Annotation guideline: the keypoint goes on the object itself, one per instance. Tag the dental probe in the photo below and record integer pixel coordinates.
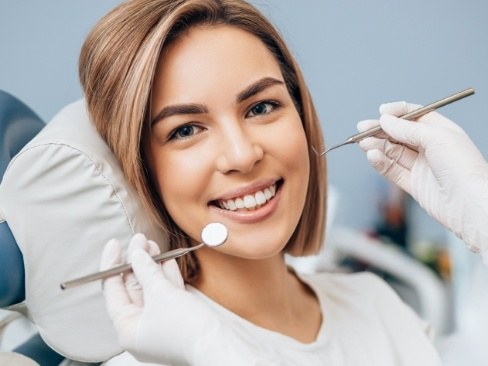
(409, 116)
(213, 235)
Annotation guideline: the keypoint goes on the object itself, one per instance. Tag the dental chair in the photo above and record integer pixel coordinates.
(18, 125)
(62, 197)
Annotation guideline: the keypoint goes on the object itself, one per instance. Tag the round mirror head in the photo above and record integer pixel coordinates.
(214, 234)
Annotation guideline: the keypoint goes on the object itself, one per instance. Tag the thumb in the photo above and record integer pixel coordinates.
(407, 132)
(149, 273)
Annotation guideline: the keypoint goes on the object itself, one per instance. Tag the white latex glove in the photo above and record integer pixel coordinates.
(158, 320)
(434, 161)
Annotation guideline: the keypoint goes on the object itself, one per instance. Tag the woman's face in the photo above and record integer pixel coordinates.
(226, 142)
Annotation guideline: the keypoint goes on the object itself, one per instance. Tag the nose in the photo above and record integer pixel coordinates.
(239, 151)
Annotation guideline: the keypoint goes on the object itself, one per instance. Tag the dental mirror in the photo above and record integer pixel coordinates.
(213, 235)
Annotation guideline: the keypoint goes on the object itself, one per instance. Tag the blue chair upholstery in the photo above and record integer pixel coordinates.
(18, 125)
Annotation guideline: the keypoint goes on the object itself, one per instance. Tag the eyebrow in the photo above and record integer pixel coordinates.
(193, 108)
(258, 87)
(176, 109)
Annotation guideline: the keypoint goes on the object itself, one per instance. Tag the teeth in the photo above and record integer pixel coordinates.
(260, 198)
(231, 205)
(249, 201)
(239, 203)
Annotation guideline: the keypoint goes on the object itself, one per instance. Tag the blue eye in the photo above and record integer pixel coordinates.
(184, 132)
(262, 108)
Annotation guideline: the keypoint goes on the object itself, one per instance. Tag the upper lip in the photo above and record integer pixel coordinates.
(244, 190)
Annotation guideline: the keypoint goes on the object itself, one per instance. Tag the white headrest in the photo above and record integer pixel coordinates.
(64, 196)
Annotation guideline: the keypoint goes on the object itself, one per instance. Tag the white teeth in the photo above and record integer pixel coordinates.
(249, 201)
(239, 203)
(260, 198)
(231, 205)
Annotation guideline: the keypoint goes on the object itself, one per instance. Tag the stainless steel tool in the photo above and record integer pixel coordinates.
(409, 116)
(213, 235)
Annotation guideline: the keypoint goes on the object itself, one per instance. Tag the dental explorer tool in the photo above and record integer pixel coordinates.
(409, 116)
(213, 235)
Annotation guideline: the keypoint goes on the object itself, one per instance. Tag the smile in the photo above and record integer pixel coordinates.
(248, 202)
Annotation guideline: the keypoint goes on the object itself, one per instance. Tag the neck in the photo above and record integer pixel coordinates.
(264, 292)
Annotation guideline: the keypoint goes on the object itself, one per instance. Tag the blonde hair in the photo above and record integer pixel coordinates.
(117, 66)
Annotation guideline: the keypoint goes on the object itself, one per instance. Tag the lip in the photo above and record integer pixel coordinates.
(252, 216)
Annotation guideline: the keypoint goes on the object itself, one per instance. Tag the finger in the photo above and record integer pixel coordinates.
(371, 143)
(387, 146)
(149, 273)
(398, 108)
(111, 255)
(411, 133)
(367, 124)
(438, 120)
(138, 241)
(389, 169)
(132, 285)
(153, 248)
(172, 272)
(363, 126)
(400, 153)
(113, 288)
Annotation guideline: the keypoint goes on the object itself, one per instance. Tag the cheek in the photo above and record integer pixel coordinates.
(292, 146)
(294, 156)
(181, 179)
(171, 181)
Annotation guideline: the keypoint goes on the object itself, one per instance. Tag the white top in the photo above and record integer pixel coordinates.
(364, 323)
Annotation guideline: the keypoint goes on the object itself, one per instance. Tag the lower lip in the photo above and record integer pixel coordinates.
(252, 216)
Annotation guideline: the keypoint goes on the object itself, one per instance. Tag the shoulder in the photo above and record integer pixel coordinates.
(359, 282)
(368, 294)
(351, 289)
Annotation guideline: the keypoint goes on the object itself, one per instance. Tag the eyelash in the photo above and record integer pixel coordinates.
(174, 134)
(273, 103)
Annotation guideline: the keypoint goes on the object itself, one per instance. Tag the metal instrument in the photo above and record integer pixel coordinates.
(409, 116)
(213, 235)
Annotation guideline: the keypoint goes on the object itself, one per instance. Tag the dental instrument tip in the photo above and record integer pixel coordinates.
(214, 234)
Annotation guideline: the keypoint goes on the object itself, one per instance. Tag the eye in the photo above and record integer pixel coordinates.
(262, 108)
(184, 132)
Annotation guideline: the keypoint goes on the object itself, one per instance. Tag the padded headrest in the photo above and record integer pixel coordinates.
(64, 196)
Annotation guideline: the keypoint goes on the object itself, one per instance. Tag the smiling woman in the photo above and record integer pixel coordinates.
(210, 118)
(138, 101)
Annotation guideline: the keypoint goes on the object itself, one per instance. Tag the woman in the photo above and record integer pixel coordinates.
(211, 120)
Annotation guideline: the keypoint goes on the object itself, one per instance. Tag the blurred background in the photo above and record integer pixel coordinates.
(355, 55)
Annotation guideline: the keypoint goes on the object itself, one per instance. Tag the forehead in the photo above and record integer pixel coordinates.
(223, 57)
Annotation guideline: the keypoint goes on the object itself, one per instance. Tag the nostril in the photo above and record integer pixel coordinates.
(239, 159)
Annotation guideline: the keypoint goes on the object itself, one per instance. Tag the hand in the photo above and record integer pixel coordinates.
(434, 161)
(157, 320)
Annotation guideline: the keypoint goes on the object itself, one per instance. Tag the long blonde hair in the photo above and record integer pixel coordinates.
(117, 66)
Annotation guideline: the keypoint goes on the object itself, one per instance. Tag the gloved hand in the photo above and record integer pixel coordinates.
(157, 320)
(434, 161)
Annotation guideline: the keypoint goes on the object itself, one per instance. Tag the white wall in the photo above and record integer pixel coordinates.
(355, 55)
